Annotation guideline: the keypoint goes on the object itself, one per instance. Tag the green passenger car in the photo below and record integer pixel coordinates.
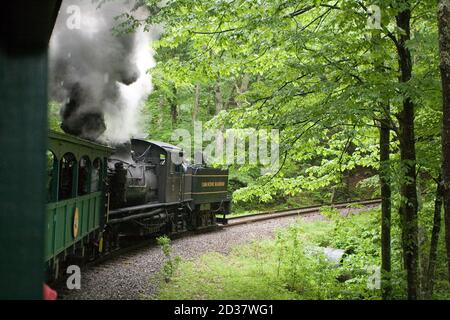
(76, 206)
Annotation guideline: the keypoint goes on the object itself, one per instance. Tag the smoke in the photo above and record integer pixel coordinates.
(100, 78)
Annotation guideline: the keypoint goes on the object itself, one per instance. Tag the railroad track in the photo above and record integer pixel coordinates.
(233, 221)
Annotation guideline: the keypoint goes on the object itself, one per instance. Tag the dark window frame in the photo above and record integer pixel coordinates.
(63, 177)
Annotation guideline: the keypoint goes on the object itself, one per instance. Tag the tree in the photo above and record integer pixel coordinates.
(385, 182)
(174, 105)
(385, 186)
(444, 44)
(196, 106)
(408, 190)
(429, 275)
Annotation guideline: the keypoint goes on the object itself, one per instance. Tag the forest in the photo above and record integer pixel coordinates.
(360, 93)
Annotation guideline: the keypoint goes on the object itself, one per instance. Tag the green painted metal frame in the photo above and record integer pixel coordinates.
(60, 218)
(25, 27)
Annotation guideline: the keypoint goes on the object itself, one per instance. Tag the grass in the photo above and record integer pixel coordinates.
(215, 276)
(281, 268)
(271, 269)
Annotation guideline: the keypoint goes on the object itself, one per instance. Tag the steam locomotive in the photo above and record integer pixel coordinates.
(97, 195)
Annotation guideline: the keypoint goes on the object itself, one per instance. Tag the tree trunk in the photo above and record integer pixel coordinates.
(429, 274)
(444, 44)
(196, 103)
(219, 106)
(173, 106)
(161, 110)
(239, 89)
(244, 84)
(385, 184)
(232, 102)
(218, 97)
(333, 194)
(174, 112)
(408, 190)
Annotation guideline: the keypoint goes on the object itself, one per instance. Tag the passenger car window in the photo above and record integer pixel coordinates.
(95, 175)
(84, 169)
(52, 172)
(67, 173)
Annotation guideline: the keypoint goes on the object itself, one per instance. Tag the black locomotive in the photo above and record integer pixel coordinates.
(151, 186)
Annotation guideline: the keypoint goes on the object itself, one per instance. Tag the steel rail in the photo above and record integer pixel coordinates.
(268, 215)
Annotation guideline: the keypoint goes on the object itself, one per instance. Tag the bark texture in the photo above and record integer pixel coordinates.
(218, 97)
(408, 188)
(385, 184)
(444, 46)
(196, 103)
(430, 269)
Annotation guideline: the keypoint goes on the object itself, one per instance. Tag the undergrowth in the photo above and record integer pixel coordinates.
(286, 267)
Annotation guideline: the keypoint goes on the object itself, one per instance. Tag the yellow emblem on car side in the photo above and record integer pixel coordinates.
(76, 218)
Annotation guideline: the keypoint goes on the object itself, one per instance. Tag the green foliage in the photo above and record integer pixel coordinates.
(288, 268)
(250, 272)
(54, 120)
(310, 71)
(330, 213)
(373, 184)
(306, 274)
(284, 268)
(171, 263)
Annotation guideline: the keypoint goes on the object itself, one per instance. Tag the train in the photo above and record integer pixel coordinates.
(98, 195)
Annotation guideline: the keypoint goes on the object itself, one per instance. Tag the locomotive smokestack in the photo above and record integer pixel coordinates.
(99, 78)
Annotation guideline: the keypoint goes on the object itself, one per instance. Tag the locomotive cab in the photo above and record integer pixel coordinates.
(167, 160)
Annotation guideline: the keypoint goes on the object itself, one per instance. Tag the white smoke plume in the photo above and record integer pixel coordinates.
(100, 78)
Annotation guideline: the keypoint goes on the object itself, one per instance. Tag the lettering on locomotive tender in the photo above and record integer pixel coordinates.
(213, 184)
